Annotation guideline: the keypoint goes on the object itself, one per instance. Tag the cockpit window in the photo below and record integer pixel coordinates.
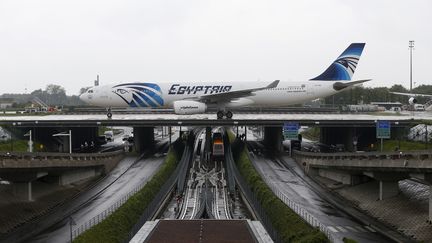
(90, 91)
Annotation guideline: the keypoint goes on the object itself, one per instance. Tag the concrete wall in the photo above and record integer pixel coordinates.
(273, 138)
(72, 176)
(143, 138)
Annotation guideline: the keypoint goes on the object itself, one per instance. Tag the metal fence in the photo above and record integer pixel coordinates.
(150, 210)
(298, 209)
(302, 212)
(251, 198)
(164, 191)
(104, 214)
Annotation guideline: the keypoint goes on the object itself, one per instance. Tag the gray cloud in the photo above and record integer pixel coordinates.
(69, 42)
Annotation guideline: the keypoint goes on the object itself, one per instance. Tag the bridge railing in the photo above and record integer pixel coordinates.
(417, 155)
(62, 156)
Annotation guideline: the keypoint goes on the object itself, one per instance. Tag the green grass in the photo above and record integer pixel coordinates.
(116, 227)
(19, 146)
(312, 133)
(390, 145)
(290, 226)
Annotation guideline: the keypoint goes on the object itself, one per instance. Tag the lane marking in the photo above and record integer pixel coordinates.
(360, 228)
(351, 228)
(332, 229)
(342, 229)
(370, 229)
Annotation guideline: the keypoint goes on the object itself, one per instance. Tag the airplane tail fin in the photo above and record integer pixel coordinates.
(344, 66)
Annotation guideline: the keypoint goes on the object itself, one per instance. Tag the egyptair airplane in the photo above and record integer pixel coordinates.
(195, 98)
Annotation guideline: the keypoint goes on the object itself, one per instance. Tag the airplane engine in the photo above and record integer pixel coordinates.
(189, 107)
(412, 101)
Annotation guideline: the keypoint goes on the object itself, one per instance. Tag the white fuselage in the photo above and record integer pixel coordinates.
(286, 93)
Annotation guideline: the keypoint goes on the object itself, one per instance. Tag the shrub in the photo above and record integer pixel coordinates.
(290, 226)
(116, 227)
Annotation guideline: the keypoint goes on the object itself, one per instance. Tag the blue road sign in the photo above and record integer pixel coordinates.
(383, 129)
(290, 130)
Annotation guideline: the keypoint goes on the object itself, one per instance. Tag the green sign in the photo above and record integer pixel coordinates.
(383, 129)
(290, 130)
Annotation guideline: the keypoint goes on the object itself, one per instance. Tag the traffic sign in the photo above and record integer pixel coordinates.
(290, 130)
(383, 129)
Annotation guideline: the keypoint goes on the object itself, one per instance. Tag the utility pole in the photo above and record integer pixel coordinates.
(411, 47)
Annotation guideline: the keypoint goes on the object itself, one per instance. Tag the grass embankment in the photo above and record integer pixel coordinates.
(311, 133)
(290, 226)
(390, 145)
(19, 146)
(116, 227)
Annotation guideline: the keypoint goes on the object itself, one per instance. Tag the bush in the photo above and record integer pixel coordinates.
(116, 227)
(290, 226)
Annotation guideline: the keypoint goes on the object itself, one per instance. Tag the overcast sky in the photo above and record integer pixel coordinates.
(70, 42)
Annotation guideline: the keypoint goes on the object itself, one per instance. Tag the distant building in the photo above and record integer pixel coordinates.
(6, 102)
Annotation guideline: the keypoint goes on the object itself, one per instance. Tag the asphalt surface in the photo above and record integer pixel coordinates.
(128, 174)
(289, 181)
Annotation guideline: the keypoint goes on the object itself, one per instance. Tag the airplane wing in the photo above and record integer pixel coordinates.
(412, 94)
(232, 95)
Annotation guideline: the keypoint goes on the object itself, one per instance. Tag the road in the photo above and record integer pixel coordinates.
(289, 181)
(129, 174)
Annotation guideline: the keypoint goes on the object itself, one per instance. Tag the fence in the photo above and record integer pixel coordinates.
(104, 214)
(298, 209)
(301, 211)
(150, 210)
(251, 197)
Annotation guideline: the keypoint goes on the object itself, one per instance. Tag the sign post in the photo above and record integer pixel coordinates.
(383, 131)
(290, 131)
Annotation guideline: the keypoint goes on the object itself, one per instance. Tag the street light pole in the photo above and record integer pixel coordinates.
(70, 141)
(30, 142)
(411, 47)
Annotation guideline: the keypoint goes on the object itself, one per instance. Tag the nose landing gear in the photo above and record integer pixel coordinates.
(109, 114)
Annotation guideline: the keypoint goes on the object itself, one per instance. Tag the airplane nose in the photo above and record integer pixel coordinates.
(83, 98)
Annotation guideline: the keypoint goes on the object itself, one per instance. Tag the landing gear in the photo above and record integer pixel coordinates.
(229, 114)
(109, 114)
(221, 114)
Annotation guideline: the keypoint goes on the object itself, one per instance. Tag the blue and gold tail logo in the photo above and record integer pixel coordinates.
(140, 94)
(344, 66)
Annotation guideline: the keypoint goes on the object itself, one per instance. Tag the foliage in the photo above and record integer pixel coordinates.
(390, 145)
(290, 226)
(312, 133)
(19, 146)
(117, 226)
(347, 240)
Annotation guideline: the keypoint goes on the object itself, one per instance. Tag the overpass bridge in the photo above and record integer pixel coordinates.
(84, 127)
(388, 168)
(23, 168)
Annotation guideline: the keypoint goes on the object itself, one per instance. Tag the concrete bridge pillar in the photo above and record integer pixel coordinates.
(143, 138)
(23, 190)
(273, 138)
(388, 189)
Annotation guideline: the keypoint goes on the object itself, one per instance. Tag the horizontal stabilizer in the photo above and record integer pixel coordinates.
(342, 85)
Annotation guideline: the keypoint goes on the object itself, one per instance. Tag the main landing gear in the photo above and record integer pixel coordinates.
(109, 114)
(221, 114)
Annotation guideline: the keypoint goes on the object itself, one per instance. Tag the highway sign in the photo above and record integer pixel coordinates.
(383, 129)
(290, 130)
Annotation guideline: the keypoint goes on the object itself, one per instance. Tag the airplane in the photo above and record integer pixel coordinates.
(413, 101)
(195, 98)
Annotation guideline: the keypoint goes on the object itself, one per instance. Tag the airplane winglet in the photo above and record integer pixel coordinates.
(273, 84)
